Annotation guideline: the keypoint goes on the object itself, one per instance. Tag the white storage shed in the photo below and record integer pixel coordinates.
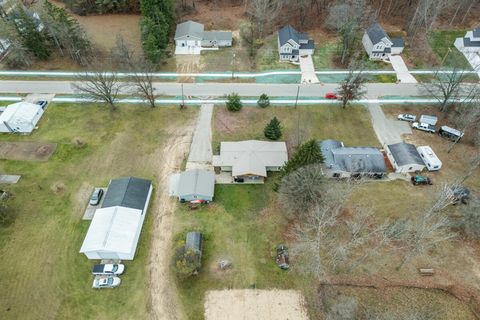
(429, 158)
(20, 117)
(424, 118)
(404, 157)
(116, 227)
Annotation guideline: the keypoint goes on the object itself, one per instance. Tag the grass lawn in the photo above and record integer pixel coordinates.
(441, 42)
(240, 225)
(43, 274)
(351, 125)
(267, 56)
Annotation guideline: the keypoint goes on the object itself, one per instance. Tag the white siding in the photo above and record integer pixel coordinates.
(367, 43)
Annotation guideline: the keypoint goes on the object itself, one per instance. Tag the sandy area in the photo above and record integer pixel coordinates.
(163, 298)
(255, 304)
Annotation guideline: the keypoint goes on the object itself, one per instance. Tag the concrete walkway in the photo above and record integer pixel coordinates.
(387, 131)
(201, 148)
(403, 75)
(308, 70)
(9, 178)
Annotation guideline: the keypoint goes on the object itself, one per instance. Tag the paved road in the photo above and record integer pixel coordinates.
(218, 89)
(201, 147)
(388, 131)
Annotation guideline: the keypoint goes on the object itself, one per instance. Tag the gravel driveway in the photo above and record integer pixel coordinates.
(388, 131)
(201, 148)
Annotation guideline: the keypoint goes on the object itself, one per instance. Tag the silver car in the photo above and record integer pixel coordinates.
(407, 117)
(106, 282)
(96, 197)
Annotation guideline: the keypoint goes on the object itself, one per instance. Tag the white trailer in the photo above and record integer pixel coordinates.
(430, 158)
(432, 120)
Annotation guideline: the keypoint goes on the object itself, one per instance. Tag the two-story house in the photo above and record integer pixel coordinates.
(293, 44)
(379, 45)
(469, 43)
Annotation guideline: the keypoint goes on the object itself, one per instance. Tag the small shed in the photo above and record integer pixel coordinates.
(193, 242)
(193, 185)
(20, 117)
(404, 157)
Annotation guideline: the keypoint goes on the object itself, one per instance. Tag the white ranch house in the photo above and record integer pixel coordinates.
(293, 44)
(190, 38)
(379, 45)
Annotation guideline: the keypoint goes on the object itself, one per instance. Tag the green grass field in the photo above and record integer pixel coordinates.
(351, 125)
(443, 41)
(43, 274)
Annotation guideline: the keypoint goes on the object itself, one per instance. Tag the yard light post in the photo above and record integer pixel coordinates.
(445, 57)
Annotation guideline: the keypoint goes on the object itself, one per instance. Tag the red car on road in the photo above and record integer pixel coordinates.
(330, 95)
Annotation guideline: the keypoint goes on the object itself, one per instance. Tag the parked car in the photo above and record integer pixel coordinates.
(407, 117)
(108, 269)
(106, 282)
(96, 197)
(42, 103)
(420, 180)
(423, 127)
(331, 95)
(461, 194)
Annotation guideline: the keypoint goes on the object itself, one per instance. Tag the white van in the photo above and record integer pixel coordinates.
(430, 158)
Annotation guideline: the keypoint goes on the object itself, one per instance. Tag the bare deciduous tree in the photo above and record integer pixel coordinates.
(264, 12)
(142, 79)
(99, 86)
(352, 88)
(467, 117)
(446, 87)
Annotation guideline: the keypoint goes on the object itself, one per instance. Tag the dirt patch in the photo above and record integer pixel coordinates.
(58, 187)
(255, 304)
(162, 303)
(30, 151)
(208, 14)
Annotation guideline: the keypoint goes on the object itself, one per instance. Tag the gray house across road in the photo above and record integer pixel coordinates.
(293, 44)
(379, 45)
(345, 162)
(193, 185)
(190, 37)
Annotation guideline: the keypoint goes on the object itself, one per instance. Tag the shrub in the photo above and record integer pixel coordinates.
(186, 262)
(263, 101)
(273, 130)
(233, 102)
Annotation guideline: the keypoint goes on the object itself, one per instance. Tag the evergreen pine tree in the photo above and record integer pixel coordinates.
(273, 130)
(263, 101)
(307, 153)
(233, 102)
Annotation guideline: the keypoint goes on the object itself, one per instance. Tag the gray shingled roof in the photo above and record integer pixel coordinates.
(352, 159)
(469, 43)
(376, 33)
(189, 29)
(217, 35)
(288, 32)
(196, 182)
(405, 154)
(398, 42)
(127, 192)
(476, 32)
(309, 45)
(194, 241)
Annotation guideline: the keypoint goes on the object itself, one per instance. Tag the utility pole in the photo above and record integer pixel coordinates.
(298, 117)
(296, 99)
(233, 65)
(183, 99)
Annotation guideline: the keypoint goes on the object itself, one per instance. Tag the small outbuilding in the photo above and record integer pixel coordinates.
(20, 117)
(193, 242)
(192, 185)
(346, 162)
(428, 119)
(404, 157)
(116, 227)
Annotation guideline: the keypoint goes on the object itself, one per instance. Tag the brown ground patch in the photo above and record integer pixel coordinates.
(255, 304)
(31, 151)
(208, 13)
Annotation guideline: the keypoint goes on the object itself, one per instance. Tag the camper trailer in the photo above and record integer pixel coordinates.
(450, 133)
(430, 158)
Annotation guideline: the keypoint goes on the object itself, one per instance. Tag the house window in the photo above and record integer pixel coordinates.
(411, 168)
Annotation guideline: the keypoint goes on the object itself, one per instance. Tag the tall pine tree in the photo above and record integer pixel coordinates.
(307, 153)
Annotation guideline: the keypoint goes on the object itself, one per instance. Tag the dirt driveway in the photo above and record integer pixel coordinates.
(163, 298)
(388, 131)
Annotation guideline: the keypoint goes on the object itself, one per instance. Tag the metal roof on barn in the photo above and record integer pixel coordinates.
(405, 154)
(127, 192)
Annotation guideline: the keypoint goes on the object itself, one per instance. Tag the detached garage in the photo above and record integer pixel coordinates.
(20, 117)
(404, 157)
(193, 185)
(116, 227)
